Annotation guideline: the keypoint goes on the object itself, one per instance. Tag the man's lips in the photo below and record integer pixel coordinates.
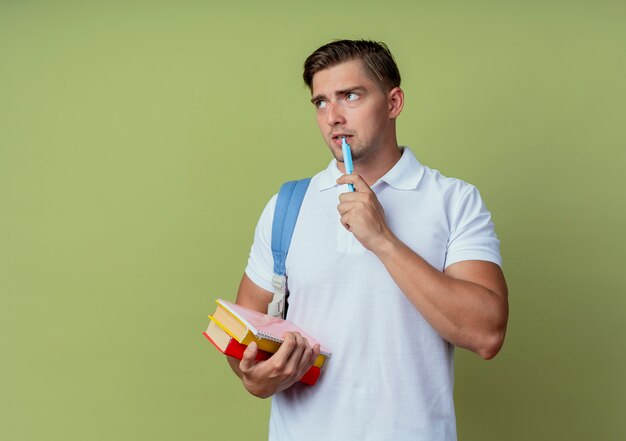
(341, 135)
(337, 138)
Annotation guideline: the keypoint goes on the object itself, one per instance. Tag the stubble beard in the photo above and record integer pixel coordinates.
(361, 154)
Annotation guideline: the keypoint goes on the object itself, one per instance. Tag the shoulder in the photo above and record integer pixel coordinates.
(450, 190)
(270, 207)
(264, 223)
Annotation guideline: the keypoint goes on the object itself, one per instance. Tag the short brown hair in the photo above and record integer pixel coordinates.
(377, 61)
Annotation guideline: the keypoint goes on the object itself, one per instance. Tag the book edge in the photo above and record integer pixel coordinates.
(243, 321)
(206, 335)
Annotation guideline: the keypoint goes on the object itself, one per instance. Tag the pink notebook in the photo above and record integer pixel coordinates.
(266, 326)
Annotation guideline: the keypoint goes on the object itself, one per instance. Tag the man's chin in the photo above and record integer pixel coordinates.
(357, 154)
(337, 154)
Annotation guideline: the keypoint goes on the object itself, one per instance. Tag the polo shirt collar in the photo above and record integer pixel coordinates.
(404, 175)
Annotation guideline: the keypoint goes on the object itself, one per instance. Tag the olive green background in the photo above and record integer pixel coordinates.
(139, 142)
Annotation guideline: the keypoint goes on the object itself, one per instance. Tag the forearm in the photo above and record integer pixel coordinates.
(467, 314)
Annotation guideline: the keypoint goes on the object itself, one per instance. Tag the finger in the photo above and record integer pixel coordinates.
(288, 345)
(346, 207)
(348, 218)
(357, 181)
(352, 197)
(249, 356)
(295, 357)
(345, 223)
(362, 198)
(306, 360)
(299, 362)
(315, 352)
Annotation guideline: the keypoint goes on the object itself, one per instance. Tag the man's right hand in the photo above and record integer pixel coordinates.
(292, 360)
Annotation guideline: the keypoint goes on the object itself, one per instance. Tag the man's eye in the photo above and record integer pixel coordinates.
(352, 96)
(320, 104)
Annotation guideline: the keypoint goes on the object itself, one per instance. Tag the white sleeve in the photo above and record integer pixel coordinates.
(260, 268)
(473, 235)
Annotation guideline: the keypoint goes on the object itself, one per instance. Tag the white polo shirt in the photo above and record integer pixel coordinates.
(391, 375)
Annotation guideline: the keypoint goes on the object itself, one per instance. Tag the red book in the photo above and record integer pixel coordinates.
(229, 346)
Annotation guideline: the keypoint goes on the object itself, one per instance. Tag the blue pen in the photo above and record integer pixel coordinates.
(347, 159)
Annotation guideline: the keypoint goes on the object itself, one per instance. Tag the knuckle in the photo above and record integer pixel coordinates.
(278, 365)
(289, 344)
(273, 374)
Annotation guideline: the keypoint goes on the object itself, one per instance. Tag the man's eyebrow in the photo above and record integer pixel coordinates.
(319, 97)
(351, 89)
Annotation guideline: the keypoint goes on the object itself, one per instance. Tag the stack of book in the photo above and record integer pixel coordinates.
(233, 327)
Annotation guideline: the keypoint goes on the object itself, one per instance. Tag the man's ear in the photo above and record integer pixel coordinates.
(395, 97)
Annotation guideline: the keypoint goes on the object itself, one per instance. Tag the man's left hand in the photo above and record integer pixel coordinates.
(362, 214)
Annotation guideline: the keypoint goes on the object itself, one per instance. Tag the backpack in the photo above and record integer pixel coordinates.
(288, 205)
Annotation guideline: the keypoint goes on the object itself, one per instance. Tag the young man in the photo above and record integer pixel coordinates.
(391, 277)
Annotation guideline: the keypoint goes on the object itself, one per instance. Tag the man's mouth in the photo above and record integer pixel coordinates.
(337, 138)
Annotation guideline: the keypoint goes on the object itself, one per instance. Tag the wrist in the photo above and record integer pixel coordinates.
(255, 389)
(386, 245)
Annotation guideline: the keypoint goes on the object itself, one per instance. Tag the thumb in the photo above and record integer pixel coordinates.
(249, 356)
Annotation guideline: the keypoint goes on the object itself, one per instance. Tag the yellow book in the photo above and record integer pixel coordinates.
(246, 326)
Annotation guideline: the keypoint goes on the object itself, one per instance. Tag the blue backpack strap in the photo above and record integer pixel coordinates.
(288, 205)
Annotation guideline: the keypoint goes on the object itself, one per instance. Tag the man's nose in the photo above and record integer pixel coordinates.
(334, 116)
